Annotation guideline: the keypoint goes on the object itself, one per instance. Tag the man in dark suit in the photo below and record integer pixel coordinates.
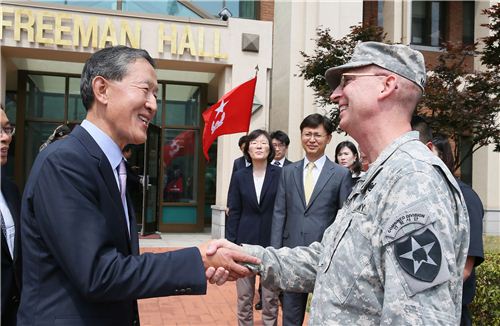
(134, 181)
(280, 142)
(80, 244)
(241, 162)
(10, 202)
(310, 193)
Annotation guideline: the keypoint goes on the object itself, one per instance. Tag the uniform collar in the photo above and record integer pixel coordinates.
(388, 151)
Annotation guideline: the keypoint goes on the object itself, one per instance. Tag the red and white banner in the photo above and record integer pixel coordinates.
(231, 114)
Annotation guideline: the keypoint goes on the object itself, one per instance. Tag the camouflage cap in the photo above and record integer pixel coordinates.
(398, 58)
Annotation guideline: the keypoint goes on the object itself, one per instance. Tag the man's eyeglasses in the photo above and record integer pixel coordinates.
(311, 135)
(8, 130)
(281, 145)
(345, 78)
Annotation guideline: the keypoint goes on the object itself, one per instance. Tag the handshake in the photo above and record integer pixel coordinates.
(222, 260)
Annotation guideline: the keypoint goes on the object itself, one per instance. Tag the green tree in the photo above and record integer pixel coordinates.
(461, 104)
(465, 105)
(330, 52)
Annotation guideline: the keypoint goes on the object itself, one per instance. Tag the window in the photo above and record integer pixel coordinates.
(166, 7)
(468, 21)
(45, 97)
(428, 23)
(380, 13)
(192, 9)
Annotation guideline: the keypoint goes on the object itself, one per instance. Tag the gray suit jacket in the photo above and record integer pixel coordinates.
(294, 223)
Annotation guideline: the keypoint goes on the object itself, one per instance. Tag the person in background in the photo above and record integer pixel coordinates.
(134, 180)
(59, 133)
(280, 142)
(475, 255)
(440, 146)
(346, 155)
(10, 206)
(241, 162)
(251, 197)
(310, 193)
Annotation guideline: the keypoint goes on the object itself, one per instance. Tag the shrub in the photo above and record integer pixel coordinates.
(485, 309)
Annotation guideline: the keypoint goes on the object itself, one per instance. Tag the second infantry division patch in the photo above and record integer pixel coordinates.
(420, 255)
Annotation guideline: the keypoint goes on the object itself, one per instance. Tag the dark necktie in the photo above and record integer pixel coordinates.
(4, 228)
(277, 163)
(4, 232)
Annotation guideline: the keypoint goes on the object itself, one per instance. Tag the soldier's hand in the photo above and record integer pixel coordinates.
(222, 253)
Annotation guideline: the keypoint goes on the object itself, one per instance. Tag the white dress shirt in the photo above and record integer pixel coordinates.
(112, 152)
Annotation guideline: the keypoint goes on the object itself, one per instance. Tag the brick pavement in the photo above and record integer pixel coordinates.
(218, 307)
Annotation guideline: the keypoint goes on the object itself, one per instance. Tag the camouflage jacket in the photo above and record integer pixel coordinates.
(394, 255)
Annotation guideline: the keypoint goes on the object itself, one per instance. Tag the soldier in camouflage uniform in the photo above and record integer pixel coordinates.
(396, 252)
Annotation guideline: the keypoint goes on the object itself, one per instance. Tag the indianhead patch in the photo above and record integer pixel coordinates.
(420, 255)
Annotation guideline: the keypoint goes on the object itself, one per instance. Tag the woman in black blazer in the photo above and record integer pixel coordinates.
(251, 203)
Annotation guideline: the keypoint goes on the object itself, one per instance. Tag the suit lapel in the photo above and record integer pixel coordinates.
(107, 174)
(267, 181)
(5, 249)
(297, 174)
(248, 180)
(134, 238)
(324, 176)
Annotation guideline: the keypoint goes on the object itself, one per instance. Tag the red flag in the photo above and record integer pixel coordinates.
(181, 145)
(231, 114)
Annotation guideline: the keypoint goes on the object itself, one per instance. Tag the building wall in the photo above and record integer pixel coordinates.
(266, 10)
(295, 26)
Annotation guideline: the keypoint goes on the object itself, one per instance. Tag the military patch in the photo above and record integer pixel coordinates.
(420, 255)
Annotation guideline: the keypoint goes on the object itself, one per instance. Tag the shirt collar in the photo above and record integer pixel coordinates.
(282, 161)
(107, 145)
(318, 163)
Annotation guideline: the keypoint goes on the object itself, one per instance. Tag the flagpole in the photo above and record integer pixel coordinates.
(256, 72)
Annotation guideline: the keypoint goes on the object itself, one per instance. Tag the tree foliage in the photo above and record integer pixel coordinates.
(491, 52)
(329, 53)
(465, 105)
(458, 102)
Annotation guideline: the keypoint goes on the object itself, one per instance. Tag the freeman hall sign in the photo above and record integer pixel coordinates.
(63, 30)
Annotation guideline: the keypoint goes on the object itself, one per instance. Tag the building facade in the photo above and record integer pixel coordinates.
(200, 56)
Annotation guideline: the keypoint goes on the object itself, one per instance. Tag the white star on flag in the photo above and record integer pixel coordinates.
(220, 109)
(414, 247)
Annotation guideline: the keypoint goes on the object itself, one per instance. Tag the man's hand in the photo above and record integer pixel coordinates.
(226, 255)
(217, 276)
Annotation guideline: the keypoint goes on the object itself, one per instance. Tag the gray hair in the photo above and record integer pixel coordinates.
(110, 63)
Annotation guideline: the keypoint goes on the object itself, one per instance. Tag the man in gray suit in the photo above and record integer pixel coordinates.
(310, 193)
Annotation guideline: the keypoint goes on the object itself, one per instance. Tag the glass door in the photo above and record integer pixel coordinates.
(151, 181)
